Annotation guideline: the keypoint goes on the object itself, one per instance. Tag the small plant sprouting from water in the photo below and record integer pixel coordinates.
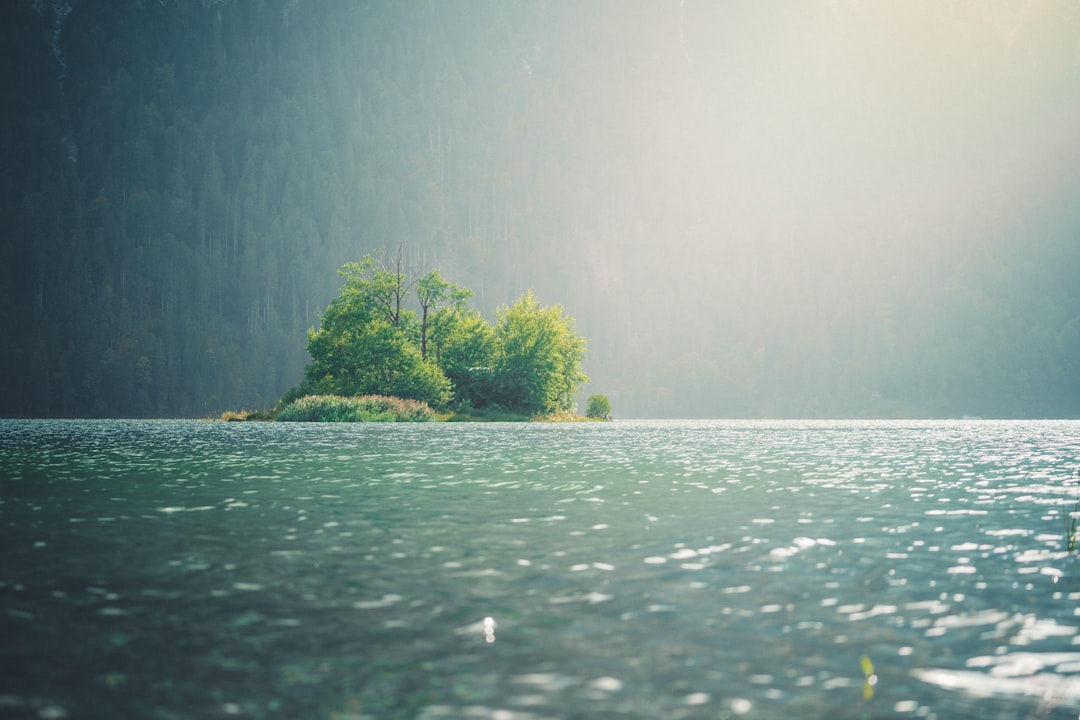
(1069, 518)
(869, 676)
(870, 680)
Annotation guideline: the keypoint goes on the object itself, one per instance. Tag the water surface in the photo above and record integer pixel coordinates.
(630, 569)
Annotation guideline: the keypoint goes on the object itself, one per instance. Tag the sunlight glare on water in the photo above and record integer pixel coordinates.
(645, 569)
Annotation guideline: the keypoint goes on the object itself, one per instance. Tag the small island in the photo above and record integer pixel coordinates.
(394, 347)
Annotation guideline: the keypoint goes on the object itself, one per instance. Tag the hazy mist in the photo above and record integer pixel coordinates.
(752, 208)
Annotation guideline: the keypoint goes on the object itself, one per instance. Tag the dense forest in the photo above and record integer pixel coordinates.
(751, 209)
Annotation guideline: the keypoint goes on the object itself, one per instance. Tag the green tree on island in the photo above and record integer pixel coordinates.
(370, 342)
(364, 344)
(538, 357)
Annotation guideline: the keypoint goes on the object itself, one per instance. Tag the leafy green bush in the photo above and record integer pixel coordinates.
(598, 407)
(537, 359)
(366, 408)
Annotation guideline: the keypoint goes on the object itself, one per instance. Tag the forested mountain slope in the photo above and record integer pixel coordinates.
(827, 209)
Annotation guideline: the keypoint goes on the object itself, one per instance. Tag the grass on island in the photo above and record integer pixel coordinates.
(248, 415)
(383, 408)
(501, 415)
(365, 408)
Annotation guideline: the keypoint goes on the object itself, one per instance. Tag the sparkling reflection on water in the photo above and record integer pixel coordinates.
(639, 570)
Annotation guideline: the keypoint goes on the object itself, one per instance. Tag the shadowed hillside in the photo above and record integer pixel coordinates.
(833, 210)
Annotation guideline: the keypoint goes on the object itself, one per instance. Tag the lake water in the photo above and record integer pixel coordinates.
(629, 569)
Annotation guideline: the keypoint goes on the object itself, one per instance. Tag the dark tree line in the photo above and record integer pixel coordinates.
(181, 181)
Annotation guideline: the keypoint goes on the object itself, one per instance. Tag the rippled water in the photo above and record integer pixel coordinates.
(638, 570)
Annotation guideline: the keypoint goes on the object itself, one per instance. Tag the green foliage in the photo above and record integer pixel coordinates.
(465, 349)
(538, 357)
(369, 342)
(467, 413)
(431, 291)
(365, 342)
(598, 407)
(462, 339)
(368, 408)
